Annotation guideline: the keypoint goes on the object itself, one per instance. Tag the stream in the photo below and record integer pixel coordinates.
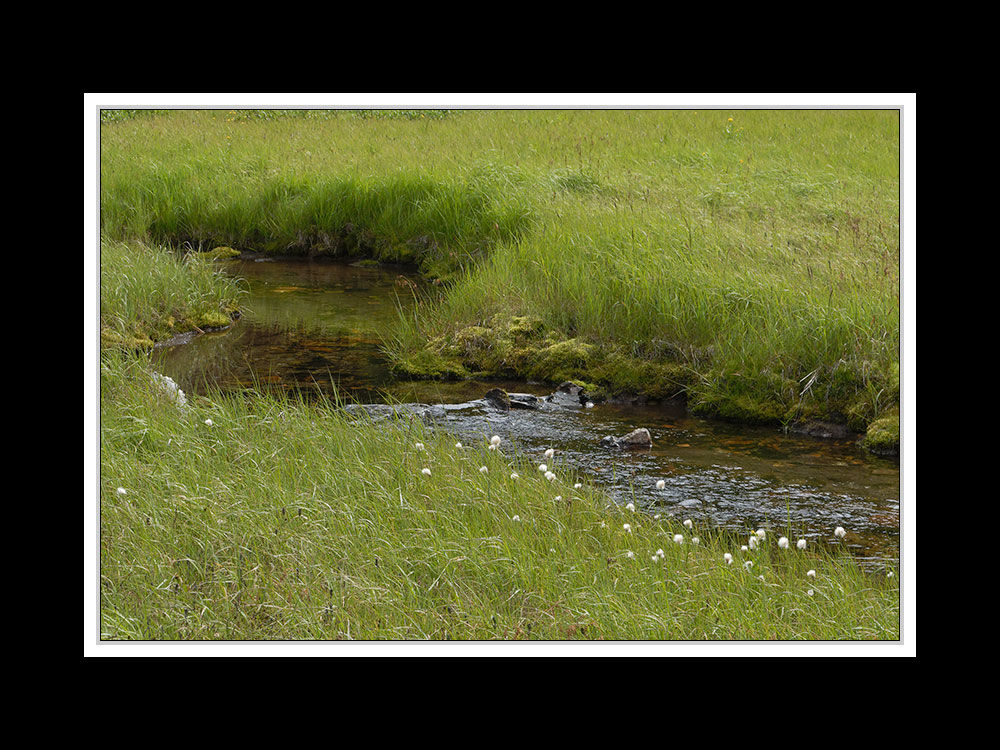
(313, 326)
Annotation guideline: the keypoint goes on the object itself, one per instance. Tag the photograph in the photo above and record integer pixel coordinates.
(499, 374)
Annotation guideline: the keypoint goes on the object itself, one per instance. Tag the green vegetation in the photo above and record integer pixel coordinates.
(255, 518)
(149, 294)
(750, 264)
(748, 260)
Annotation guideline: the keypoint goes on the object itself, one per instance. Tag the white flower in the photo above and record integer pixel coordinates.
(660, 484)
(208, 422)
(783, 542)
(744, 548)
(679, 538)
(458, 445)
(728, 558)
(810, 592)
(839, 532)
(543, 468)
(419, 446)
(695, 540)
(801, 544)
(122, 491)
(550, 453)
(688, 523)
(515, 475)
(425, 472)
(630, 506)
(484, 470)
(810, 574)
(628, 528)
(495, 440)
(550, 476)
(516, 518)
(761, 533)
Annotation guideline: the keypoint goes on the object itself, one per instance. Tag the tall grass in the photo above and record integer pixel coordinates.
(149, 293)
(260, 518)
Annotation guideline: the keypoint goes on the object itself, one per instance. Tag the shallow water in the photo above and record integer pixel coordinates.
(314, 326)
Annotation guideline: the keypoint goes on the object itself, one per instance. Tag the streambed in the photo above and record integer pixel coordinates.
(313, 326)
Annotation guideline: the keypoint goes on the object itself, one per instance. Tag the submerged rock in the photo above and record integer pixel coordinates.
(638, 438)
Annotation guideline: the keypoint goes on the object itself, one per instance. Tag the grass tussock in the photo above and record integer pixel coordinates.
(151, 293)
(251, 517)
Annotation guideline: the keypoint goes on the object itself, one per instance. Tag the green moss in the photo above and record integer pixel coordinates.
(222, 253)
(882, 437)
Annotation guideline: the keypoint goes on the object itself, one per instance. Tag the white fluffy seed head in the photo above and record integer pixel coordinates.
(660, 553)
(514, 475)
(695, 540)
(458, 445)
(660, 484)
(628, 528)
(783, 542)
(484, 470)
(550, 476)
(425, 472)
(801, 544)
(491, 447)
(550, 453)
(558, 498)
(679, 538)
(728, 558)
(744, 548)
(630, 554)
(495, 440)
(577, 486)
(516, 518)
(839, 532)
(122, 491)
(810, 592)
(810, 573)
(761, 533)
(208, 422)
(543, 467)
(630, 506)
(419, 446)
(688, 522)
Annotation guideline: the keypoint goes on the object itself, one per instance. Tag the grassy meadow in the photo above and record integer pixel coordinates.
(747, 261)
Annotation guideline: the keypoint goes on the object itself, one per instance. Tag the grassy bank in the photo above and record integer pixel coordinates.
(236, 517)
(746, 260)
(149, 294)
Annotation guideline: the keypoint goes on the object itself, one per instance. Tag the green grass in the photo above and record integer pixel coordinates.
(284, 520)
(748, 260)
(150, 293)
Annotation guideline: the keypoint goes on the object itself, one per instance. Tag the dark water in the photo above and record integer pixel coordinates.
(315, 326)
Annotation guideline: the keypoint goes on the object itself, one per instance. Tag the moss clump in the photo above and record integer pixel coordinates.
(882, 437)
(221, 253)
